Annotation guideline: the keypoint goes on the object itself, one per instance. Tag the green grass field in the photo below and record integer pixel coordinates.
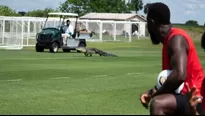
(70, 83)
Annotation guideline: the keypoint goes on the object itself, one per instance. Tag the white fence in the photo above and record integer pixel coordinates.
(17, 32)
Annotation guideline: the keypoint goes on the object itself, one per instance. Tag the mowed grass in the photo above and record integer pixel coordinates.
(70, 83)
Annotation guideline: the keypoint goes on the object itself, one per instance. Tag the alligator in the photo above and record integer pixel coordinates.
(91, 51)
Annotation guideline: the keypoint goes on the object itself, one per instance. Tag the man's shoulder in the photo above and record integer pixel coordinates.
(178, 33)
(178, 41)
(178, 29)
(71, 26)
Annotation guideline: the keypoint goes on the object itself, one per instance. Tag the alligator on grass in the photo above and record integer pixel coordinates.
(91, 51)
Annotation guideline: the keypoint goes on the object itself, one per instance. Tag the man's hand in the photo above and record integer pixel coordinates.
(145, 99)
(193, 98)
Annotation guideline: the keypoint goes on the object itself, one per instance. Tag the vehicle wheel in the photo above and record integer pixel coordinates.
(81, 45)
(66, 50)
(39, 48)
(54, 47)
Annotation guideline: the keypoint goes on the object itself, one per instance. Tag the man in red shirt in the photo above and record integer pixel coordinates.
(180, 56)
(192, 93)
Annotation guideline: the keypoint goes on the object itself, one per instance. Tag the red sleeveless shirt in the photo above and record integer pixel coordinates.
(195, 73)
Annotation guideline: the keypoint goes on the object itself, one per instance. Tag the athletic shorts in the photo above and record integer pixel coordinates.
(183, 105)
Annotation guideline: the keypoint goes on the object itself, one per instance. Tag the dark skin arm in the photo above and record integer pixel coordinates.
(148, 98)
(193, 100)
(177, 50)
(152, 91)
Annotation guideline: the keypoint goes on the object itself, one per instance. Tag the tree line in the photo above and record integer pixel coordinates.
(83, 7)
(80, 7)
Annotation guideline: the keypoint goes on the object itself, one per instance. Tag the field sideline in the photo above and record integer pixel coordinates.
(70, 83)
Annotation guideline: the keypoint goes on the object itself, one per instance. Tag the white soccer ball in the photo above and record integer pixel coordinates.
(162, 77)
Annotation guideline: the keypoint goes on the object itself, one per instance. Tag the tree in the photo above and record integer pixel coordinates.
(75, 6)
(110, 6)
(6, 11)
(36, 13)
(39, 12)
(22, 13)
(192, 23)
(146, 7)
(135, 5)
(47, 10)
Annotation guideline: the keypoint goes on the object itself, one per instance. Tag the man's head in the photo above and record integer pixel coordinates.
(158, 22)
(203, 41)
(68, 22)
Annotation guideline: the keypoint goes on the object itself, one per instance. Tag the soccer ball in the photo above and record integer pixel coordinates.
(162, 77)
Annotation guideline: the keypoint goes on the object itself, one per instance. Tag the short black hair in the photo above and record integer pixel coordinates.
(203, 41)
(68, 21)
(159, 13)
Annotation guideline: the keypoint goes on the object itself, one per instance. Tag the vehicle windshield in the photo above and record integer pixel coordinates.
(57, 22)
(53, 23)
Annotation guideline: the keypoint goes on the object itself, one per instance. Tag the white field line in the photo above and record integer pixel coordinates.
(74, 57)
(12, 80)
(60, 78)
(135, 73)
(100, 76)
